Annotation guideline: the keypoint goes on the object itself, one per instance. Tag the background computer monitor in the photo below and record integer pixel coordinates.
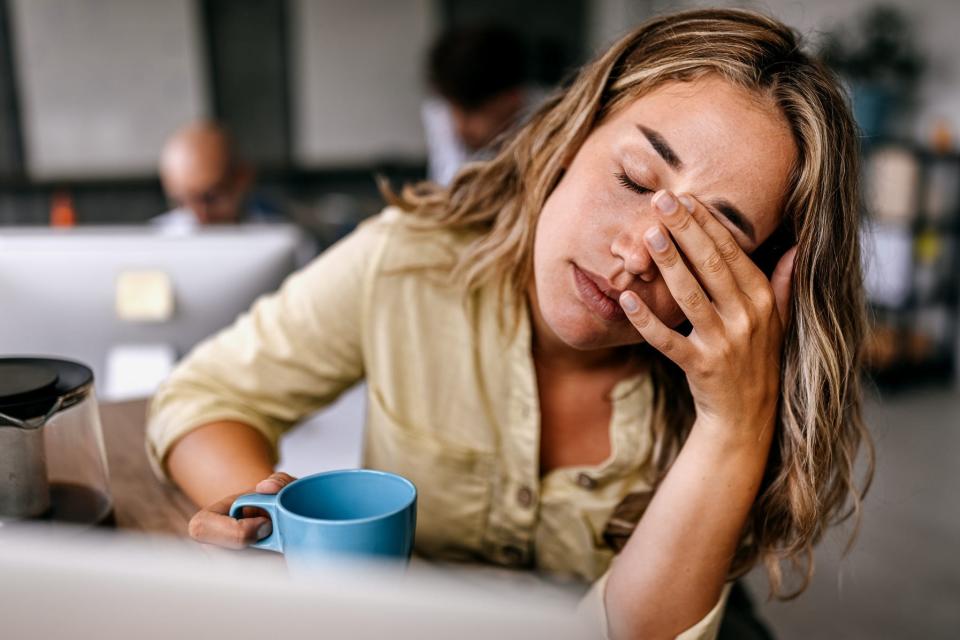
(58, 289)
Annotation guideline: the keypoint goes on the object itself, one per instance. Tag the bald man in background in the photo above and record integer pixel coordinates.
(206, 181)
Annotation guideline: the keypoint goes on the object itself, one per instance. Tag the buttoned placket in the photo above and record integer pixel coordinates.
(514, 509)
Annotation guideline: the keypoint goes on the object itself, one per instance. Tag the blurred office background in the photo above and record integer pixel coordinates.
(321, 95)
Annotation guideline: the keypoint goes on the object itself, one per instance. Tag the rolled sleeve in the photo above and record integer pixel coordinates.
(293, 353)
(709, 625)
(593, 613)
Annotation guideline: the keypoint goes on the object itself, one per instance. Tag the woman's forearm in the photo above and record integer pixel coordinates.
(672, 570)
(219, 459)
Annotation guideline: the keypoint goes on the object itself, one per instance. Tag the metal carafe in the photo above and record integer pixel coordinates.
(53, 462)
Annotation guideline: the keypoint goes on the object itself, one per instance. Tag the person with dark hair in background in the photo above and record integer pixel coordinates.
(479, 79)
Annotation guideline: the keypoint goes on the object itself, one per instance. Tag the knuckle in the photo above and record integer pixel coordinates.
(764, 300)
(667, 345)
(641, 317)
(712, 264)
(743, 325)
(239, 537)
(700, 215)
(704, 368)
(283, 478)
(726, 350)
(739, 320)
(670, 259)
(728, 249)
(693, 299)
(683, 222)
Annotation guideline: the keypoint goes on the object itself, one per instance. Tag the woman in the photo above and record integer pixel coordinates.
(574, 335)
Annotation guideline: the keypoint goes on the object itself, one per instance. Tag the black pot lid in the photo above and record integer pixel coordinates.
(30, 387)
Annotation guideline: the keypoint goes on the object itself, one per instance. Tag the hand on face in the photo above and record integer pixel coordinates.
(732, 357)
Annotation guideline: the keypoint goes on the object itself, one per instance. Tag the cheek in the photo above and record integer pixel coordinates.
(579, 218)
(662, 303)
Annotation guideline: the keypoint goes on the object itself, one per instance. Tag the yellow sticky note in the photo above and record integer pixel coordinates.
(144, 296)
(928, 246)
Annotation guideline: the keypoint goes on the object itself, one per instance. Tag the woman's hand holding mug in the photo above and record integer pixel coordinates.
(350, 513)
(213, 525)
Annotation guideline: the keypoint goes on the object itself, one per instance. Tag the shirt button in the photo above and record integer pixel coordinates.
(524, 497)
(524, 411)
(586, 481)
(512, 555)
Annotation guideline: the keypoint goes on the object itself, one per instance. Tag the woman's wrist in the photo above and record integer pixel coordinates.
(749, 437)
(677, 559)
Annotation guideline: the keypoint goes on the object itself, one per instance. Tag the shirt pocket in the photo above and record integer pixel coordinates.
(453, 481)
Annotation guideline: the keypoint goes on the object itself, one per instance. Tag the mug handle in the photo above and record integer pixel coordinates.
(267, 502)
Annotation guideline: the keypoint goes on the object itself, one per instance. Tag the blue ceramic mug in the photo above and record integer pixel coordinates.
(340, 515)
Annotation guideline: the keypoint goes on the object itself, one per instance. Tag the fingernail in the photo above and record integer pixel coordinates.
(265, 529)
(629, 302)
(666, 202)
(687, 202)
(656, 239)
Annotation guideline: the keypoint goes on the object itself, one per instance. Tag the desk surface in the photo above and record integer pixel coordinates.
(141, 502)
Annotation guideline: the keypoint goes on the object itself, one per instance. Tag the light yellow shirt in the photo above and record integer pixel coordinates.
(452, 403)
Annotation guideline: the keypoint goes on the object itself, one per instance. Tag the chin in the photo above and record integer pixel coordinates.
(584, 332)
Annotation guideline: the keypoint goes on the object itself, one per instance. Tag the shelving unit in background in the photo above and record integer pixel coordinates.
(912, 263)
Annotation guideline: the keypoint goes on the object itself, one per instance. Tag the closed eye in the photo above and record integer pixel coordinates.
(625, 180)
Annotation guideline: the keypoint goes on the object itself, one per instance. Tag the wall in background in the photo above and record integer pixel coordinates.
(607, 20)
(104, 82)
(247, 44)
(358, 80)
(11, 147)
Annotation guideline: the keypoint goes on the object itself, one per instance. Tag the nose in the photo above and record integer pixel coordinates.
(629, 247)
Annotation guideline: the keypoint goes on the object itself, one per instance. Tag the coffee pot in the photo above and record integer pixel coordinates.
(53, 464)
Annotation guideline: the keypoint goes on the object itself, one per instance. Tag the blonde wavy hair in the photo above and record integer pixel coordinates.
(810, 481)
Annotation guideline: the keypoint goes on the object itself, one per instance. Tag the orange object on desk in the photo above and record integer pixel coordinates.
(62, 211)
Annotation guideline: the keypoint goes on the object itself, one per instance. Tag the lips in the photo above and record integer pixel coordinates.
(594, 297)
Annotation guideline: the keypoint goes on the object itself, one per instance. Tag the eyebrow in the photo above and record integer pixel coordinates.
(723, 207)
(660, 146)
(736, 218)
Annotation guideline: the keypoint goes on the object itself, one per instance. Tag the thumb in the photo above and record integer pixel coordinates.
(782, 281)
(274, 482)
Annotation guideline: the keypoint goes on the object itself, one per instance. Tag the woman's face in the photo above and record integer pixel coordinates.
(708, 138)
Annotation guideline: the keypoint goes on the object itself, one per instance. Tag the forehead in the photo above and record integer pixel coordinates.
(734, 144)
(185, 182)
(194, 169)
